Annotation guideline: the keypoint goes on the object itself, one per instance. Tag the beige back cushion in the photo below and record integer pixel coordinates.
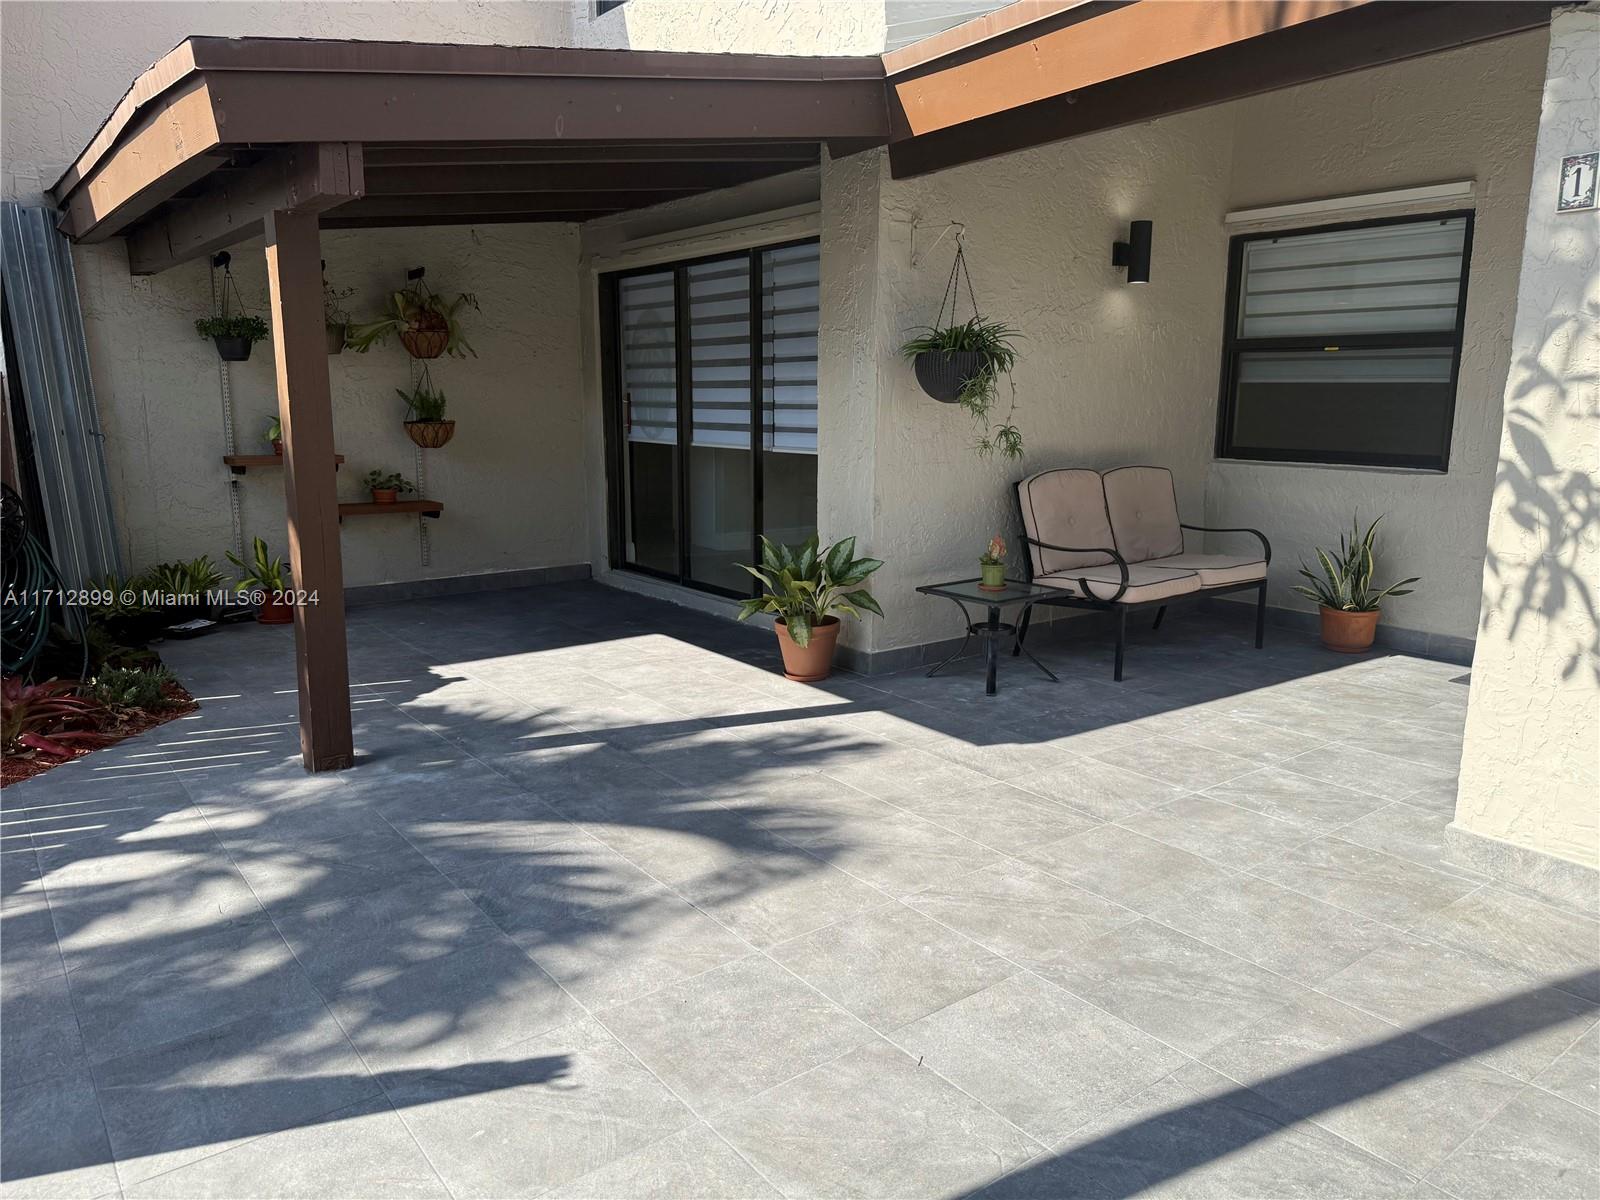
(1068, 508)
(1144, 512)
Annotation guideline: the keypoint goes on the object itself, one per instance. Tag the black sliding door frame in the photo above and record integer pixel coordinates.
(613, 387)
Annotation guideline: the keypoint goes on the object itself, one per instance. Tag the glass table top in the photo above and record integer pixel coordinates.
(1014, 592)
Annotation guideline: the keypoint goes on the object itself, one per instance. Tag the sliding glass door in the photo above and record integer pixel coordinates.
(715, 402)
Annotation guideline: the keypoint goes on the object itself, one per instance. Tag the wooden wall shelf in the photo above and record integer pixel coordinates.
(425, 508)
(240, 463)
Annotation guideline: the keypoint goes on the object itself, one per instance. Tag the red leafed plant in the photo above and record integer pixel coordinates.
(48, 717)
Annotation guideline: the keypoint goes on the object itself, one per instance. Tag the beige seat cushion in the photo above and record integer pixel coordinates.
(1143, 511)
(1144, 582)
(1065, 507)
(1215, 570)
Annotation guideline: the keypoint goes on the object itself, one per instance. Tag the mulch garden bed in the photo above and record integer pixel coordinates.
(16, 768)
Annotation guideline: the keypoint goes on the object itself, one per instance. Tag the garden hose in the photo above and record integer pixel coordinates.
(30, 581)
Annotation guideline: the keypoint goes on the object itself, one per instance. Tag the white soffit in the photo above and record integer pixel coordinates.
(1460, 194)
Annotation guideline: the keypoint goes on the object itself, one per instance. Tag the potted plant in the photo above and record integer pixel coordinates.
(183, 589)
(805, 588)
(386, 486)
(425, 421)
(335, 320)
(963, 364)
(275, 436)
(425, 321)
(1344, 591)
(992, 565)
(266, 579)
(233, 336)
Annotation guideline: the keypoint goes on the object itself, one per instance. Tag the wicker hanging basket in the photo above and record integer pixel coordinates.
(424, 343)
(430, 435)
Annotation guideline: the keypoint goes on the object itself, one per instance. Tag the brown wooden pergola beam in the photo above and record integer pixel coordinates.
(1109, 66)
(798, 154)
(397, 209)
(305, 411)
(311, 178)
(560, 177)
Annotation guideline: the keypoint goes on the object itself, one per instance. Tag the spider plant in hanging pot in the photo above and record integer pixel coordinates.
(233, 336)
(425, 420)
(335, 320)
(426, 322)
(1348, 603)
(264, 579)
(806, 588)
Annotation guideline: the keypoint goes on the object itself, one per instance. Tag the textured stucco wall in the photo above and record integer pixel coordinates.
(734, 26)
(509, 480)
(1109, 374)
(1469, 114)
(1530, 768)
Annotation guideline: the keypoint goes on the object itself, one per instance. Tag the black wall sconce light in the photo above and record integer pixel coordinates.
(1135, 252)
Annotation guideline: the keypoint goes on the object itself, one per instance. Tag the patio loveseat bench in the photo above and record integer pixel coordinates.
(1112, 541)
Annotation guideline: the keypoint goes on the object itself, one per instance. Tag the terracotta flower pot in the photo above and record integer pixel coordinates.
(430, 435)
(807, 664)
(277, 447)
(1348, 632)
(274, 611)
(994, 577)
(385, 495)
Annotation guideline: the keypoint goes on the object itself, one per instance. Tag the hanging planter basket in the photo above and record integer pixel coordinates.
(430, 435)
(943, 374)
(423, 342)
(233, 349)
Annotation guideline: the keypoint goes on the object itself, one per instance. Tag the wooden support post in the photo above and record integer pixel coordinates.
(294, 271)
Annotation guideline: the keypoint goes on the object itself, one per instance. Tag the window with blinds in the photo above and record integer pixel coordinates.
(648, 328)
(1343, 343)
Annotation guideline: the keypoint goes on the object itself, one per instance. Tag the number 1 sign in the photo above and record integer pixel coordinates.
(1578, 172)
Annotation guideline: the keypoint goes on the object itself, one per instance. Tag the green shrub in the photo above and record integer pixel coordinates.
(123, 689)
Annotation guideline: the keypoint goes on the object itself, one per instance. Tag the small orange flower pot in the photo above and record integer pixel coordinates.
(809, 663)
(1349, 632)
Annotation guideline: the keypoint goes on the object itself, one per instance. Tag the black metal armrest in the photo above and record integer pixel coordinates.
(1083, 584)
(1266, 546)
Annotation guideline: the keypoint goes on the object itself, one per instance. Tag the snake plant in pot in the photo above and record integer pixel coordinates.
(806, 588)
(1345, 593)
(265, 579)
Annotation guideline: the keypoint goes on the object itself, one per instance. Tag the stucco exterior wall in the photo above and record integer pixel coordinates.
(1467, 115)
(812, 27)
(509, 480)
(1530, 767)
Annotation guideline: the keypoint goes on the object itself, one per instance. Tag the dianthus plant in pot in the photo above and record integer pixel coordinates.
(1349, 603)
(992, 564)
(386, 486)
(806, 589)
(266, 579)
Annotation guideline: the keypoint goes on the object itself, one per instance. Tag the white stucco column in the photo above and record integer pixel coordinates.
(1528, 807)
(849, 353)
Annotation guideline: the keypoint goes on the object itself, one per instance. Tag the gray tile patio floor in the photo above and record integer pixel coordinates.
(610, 909)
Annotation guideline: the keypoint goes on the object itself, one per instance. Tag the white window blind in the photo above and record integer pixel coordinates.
(1398, 278)
(649, 358)
(789, 316)
(719, 351)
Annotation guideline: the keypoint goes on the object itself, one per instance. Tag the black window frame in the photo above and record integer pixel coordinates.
(611, 403)
(1234, 346)
(602, 7)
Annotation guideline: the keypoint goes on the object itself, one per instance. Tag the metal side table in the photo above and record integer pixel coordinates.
(963, 592)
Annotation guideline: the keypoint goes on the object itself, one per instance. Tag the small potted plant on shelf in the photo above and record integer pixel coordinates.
(275, 436)
(1344, 591)
(425, 421)
(386, 486)
(992, 565)
(806, 588)
(426, 322)
(335, 320)
(266, 579)
(233, 336)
